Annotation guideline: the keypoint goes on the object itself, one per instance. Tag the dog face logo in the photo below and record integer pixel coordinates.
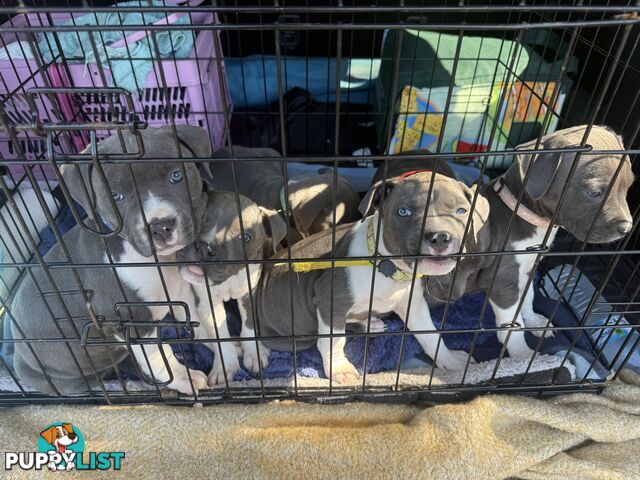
(61, 447)
(60, 436)
(65, 441)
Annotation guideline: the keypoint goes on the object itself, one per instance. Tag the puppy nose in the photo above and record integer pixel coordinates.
(205, 251)
(438, 240)
(71, 436)
(624, 227)
(162, 228)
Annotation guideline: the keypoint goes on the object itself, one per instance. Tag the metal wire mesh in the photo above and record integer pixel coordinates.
(51, 110)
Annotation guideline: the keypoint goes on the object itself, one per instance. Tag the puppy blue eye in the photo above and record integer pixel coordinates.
(594, 193)
(176, 176)
(246, 237)
(461, 211)
(404, 212)
(117, 196)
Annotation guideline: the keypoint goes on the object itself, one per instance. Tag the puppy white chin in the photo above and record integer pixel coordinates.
(167, 250)
(436, 267)
(192, 278)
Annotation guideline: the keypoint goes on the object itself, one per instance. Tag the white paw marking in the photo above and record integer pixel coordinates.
(536, 320)
(181, 382)
(342, 371)
(452, 359)
(250, 355)
(216, 375)
(377, 325)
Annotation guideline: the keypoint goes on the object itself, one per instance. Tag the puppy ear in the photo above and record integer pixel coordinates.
(308, 199)
(545, 167)
(79, 182)
(373, 199)
(480, 211)
(275, 226)
(196, 140)
(348, 197)
(67, 427)
(543, 172)
(311, 200)
(49, 434)
(305, 211)
(207, 177)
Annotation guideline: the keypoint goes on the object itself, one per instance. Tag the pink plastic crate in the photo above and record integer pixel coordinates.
(17, 76)
(193, 85)
(193, 88)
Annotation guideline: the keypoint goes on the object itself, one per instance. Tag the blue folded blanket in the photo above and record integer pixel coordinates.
(253, 80)
(130, 65)
(384, 350)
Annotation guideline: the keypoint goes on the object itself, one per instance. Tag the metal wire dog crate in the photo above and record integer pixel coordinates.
(357, 64)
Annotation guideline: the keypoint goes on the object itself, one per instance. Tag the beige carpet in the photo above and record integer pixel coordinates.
(578, 436)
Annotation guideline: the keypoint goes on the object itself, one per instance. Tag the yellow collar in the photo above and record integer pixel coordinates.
(386, 267)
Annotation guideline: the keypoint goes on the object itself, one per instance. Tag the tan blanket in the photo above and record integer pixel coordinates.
(495, 436)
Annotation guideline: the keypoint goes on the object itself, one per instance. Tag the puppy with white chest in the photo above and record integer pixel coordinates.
(311, 195)
(221, 238)
(159, 206)
(401, 214)
(541, 193)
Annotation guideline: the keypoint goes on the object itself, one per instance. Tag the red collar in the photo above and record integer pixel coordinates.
(413, 172)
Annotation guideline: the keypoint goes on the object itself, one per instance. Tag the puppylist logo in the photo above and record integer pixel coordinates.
(61, 447)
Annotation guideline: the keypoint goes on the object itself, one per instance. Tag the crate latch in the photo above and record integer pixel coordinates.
(73, 124)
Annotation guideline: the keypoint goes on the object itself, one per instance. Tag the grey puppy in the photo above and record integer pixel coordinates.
(173, 203)
(549, 175)
(311, 196)
(401, 215)
(222, 239)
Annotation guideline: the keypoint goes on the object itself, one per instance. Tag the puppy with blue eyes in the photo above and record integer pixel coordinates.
(158, 206)
(324, 302)
(539, 179)
(222, 239)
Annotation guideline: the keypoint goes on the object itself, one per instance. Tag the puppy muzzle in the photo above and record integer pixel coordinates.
(605, 233)
(212, 274)
(438, 261)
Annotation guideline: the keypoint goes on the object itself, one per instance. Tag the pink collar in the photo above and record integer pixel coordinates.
(500, 187)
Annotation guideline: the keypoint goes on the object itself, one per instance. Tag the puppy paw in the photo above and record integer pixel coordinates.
(377, 325)
(536, 320)
(216, 375)
(250, 355)
(453, 359)
(520, 351)
(182, 384)
(342, 371)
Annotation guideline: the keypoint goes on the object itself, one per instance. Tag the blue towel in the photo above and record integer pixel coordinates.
(384, 350)
(130, 66)
(253, 80)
